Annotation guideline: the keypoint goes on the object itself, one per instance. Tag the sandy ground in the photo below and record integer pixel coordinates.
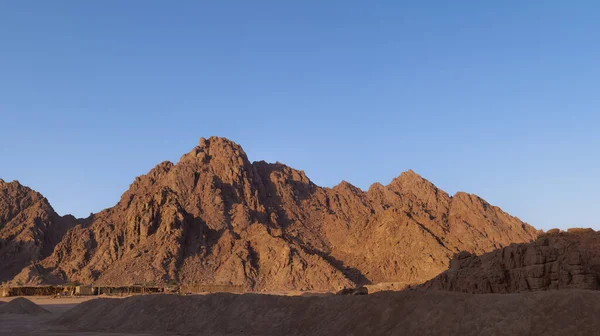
(20, 325)
(410, 312)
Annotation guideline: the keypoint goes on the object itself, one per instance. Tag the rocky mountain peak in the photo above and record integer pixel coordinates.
(347, 186)
(221, 156)
(219, 146)
(15, 197)
(409, 178)
(214, 218)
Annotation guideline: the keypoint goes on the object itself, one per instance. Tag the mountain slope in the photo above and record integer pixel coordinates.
(214, 218)
(29, 228)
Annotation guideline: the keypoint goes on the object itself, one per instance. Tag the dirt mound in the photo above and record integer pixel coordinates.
(556, 260)
(22, 306)
(385, 313)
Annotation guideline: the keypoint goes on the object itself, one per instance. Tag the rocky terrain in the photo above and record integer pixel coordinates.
(556, 260)
(215, 218)
(29, 228)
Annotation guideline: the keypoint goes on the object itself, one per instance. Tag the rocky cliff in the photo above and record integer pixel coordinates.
(216, 218)
(556, 260)
(29, 228)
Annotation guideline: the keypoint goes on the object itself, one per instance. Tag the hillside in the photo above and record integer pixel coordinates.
(29, 228)
(215, 218)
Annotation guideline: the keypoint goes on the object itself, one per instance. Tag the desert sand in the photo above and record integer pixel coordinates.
(37, 324)
(411, 312)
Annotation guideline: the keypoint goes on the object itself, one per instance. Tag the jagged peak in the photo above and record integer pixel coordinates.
(271, 164)
(410, 174)
(17, 185)
(260, 163)
(214, 188)
(13, 182)
(409, 177)
(345, 185)
(21, 192)
(377, 186)
(216, 147)
(460, 194)
(376, 189)
(213, 139)
(215, 143)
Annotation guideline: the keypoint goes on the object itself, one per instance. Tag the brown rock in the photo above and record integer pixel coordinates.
(29, 228)
(557, 260)
(214, 218)
(362, 290)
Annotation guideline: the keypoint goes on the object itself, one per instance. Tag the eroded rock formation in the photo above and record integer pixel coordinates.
(29, 228)
(216, 218)
(556, 260)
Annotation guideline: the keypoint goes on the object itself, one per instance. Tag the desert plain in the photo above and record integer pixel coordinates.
(409, 312)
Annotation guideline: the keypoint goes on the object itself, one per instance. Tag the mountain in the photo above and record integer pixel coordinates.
(215, 218)
(29, 228)
(556, 260)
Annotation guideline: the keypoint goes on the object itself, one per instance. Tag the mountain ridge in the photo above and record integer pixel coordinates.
(216, 218)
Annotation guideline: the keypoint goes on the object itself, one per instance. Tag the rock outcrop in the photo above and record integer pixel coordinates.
(556, 260)
(216, 218)
(29, 228)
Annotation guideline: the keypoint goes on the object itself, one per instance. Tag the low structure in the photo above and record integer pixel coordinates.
(209, 288)
(36, 290)
(84, 290)
(76, 290)
(126, 290)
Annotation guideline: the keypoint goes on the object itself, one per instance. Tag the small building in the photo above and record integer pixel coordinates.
(212, 288)
(84, 290)
(126, 290)
(32, 290)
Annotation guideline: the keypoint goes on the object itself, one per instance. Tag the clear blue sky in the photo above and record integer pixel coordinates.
(497, 98)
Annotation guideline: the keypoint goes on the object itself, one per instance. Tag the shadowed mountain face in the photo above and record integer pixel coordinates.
(215, 218)
(556, 260)
(29, 228)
